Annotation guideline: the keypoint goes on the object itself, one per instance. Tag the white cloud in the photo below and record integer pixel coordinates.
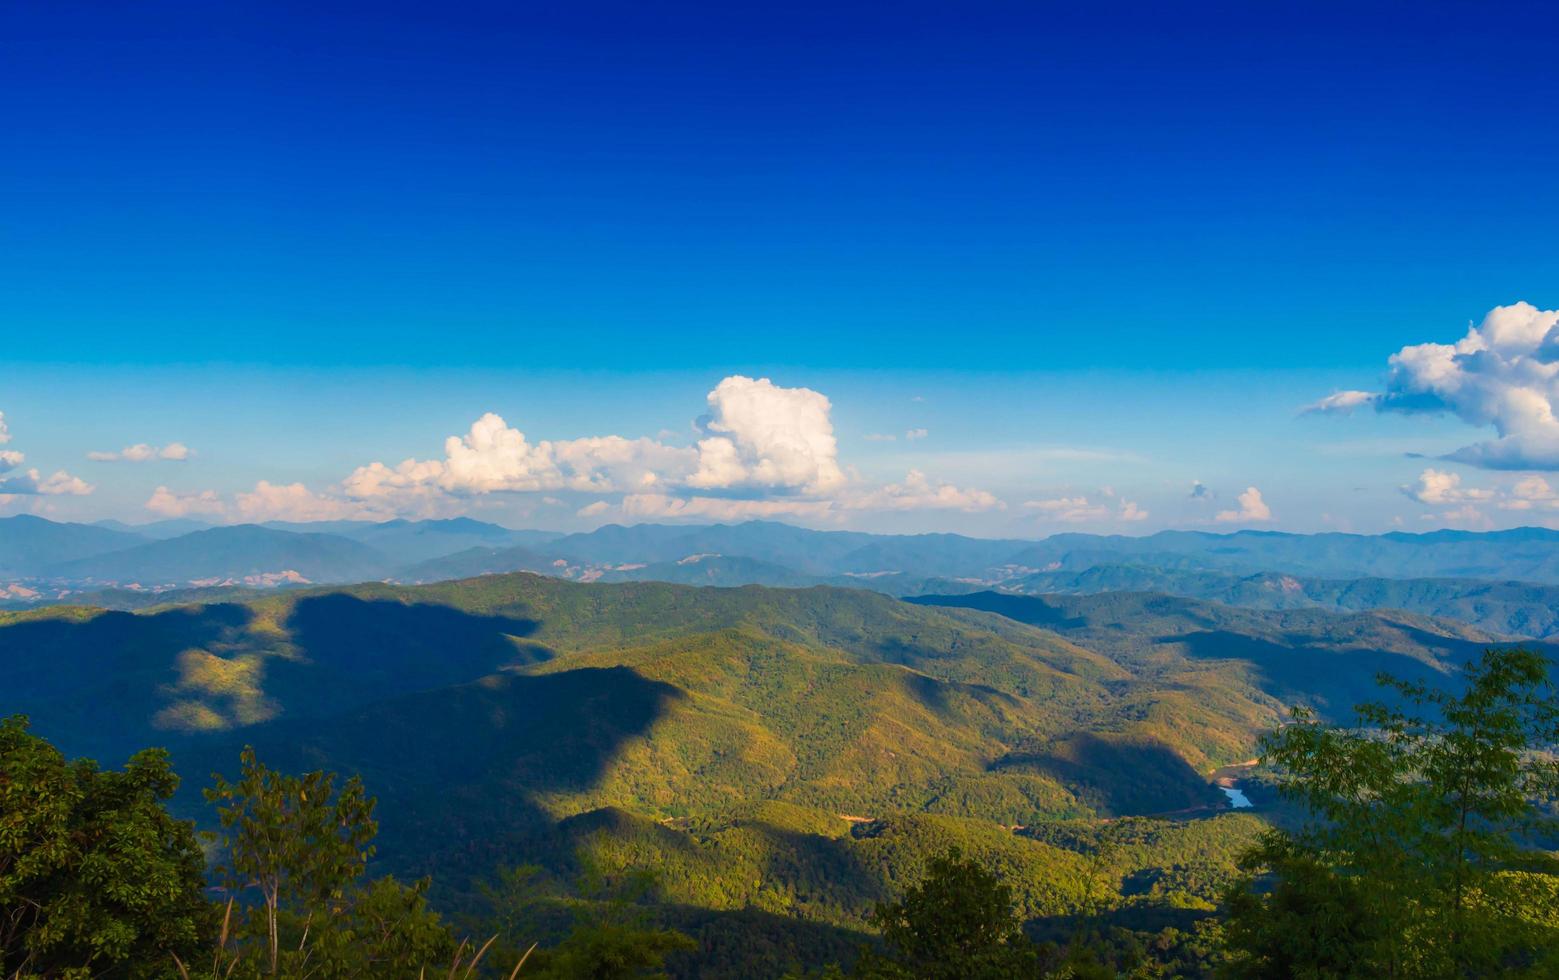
(5, 433)
(266, 502)
(880, 437)
(1341, 402)
(768, 437)
(57, 485)
(657, 506)
(493, 457)
(1437, 488)
(1252, 509)
(1464, 516)
(10, 459)
(143, 453)
(1504, 373)
(1107, 506)
(294, 502)
(762, 450)
(591, 510)
(914, 434)
(1072, 510)
(1440, 487)
(917, 492)
(170, 504)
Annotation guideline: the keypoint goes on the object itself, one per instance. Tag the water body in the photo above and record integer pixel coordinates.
(1237, 798)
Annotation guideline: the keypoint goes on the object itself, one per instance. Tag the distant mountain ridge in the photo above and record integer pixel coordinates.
(1501, 581)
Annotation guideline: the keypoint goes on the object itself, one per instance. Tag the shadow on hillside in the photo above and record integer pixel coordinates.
(357, 651)
(1117, 776)
(92, 685)
(1308, 672)
(461, 769)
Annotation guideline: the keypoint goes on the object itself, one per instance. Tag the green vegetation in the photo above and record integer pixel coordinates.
(787, 762)
(94, 873)
(1422, 856)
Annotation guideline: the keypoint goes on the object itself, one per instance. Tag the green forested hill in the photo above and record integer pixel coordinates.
(796, 752)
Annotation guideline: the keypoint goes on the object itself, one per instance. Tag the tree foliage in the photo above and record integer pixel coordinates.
(958, 923)
(95, 876)
(302, 847)
(1422, 855)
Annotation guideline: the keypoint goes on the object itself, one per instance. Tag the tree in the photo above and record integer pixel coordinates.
(1421, 856)
(959, 923)
(303, 847)
(94, 873)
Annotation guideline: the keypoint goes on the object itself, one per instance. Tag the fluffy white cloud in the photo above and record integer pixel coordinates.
(1504, 373)
(266, 502)
(493, 457)
(759, 440)
(204, 503)
(59, 484)
(1252, 509)
(914, 434)
(1530, 492)
(143, 453)
(5, 433)
(293, 502)
(1437, 488)
(10, 459)
(917, 492)
(1106, 506)
(1440, 487)
(1072, 510)
(1343, 402)
(762, 451)
(765, 436)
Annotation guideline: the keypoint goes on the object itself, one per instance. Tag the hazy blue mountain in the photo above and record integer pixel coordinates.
(1527, 554)
(477, 561)
(229, 553)
(408, 542)
(155, 530)
(807, 551)
(28, 544)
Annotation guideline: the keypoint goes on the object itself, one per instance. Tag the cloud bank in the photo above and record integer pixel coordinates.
(1504, 374)
(32, 482)
(760, 450)
(144, 453)
(1252, 509)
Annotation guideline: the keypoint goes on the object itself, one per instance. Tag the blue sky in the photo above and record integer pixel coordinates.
(1112, 251)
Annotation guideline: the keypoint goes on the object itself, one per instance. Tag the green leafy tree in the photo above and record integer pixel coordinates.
(302, 847)
(1421, 856)
(959, 923)
(96, 878)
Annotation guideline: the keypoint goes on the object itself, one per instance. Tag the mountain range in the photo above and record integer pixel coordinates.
(1503, 582)
(784, 755)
